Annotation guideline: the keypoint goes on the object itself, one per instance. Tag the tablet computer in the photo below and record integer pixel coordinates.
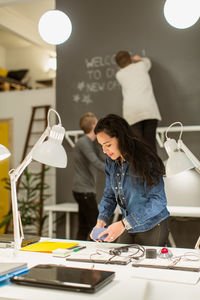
(65, 278)
(10, 267)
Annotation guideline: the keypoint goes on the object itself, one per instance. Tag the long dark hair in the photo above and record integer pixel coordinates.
(143, 160)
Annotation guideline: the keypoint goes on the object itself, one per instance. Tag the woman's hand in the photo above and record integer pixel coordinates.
(113, 231)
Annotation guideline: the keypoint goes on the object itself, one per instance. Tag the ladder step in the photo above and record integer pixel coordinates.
(38, 116)
(39, 120)
(37, 132)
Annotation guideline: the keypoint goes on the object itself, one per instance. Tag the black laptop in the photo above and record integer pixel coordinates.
(65, 278)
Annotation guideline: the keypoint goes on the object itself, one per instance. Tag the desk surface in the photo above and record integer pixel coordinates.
(184, 211)
(59, 207)
(175, 211)
(129, 283)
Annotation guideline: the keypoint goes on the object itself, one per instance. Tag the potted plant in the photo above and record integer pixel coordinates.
(32, 192)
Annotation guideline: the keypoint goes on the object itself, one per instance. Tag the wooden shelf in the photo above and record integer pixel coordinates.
(8, 84)
(45, 82)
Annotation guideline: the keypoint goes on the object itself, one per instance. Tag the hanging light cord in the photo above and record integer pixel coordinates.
(48, 116)
(175, 123)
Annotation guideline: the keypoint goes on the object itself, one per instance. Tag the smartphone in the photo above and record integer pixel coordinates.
(97, 231)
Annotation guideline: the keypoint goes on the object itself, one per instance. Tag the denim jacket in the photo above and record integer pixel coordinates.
(142, 208)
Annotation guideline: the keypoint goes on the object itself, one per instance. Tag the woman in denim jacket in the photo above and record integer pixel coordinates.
(134, 181)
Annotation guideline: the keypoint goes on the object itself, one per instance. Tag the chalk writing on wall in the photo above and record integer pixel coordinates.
(99, 77)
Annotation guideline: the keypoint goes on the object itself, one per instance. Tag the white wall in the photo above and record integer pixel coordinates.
(22, 19)
(17, 105)
(33, 58)
(2, 57)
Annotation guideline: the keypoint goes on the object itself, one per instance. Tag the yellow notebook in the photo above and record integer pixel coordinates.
(48, 246)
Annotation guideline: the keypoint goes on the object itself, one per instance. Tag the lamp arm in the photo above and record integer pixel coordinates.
(190, 155)
(14, 175)
(197, 244)
(17, 236)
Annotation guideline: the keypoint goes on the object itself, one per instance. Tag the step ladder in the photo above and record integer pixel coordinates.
(37, 125)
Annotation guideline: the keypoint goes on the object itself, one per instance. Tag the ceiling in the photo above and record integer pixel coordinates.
(19, 22)
(9, 40)
(9, 2)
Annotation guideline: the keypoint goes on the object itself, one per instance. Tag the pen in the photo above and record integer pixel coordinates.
(74, 247)
(80, 248)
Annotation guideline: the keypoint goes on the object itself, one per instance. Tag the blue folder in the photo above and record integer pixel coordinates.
(5, 278)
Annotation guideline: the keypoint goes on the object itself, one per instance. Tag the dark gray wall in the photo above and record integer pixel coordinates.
(85, 76)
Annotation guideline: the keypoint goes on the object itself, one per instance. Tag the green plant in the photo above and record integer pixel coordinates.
(32, 192)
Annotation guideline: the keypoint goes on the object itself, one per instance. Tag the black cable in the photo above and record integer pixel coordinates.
(118, 250)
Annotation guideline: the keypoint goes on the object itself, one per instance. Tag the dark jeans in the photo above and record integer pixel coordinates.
(157, 236)
(146, 131)
(87, 215)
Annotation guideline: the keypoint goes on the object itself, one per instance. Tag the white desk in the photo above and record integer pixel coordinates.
(61, 207)
(184, 211)
(129, 283)
(175, 211)
(68, 208)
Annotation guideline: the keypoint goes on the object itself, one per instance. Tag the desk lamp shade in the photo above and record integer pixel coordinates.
(4, 152)
(51, 152)
(177, 161)
(180, 157)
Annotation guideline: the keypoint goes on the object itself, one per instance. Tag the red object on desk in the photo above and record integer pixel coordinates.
(164, 250)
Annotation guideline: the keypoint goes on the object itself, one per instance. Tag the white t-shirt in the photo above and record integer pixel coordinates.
(139, 102)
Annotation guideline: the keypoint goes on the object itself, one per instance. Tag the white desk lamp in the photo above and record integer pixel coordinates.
(49, 152)
(180, 157)
(4, 152)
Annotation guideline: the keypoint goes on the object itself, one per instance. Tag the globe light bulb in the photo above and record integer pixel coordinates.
(182, 14)
(55, 27)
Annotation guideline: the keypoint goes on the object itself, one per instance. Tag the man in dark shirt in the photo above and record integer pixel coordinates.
(87, 160)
